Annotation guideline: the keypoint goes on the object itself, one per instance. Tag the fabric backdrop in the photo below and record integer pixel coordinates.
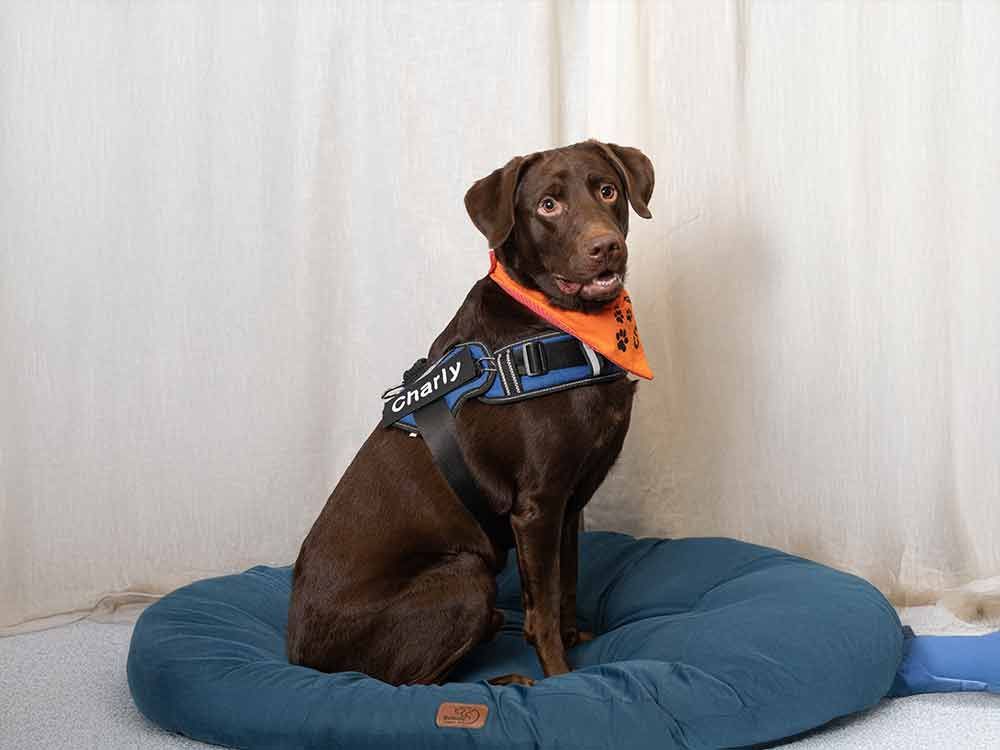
(226, 227)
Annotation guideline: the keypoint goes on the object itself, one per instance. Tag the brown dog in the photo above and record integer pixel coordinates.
(396, 578)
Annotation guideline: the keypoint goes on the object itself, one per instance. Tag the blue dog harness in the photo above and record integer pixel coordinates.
(430, 396)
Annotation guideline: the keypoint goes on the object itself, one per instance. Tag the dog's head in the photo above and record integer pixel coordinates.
(558, 219)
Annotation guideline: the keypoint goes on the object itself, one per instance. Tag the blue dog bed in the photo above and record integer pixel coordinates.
(701, 643)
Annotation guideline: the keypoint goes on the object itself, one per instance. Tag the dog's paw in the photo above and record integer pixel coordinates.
(570, 637)
(574, 637)
(512, 679)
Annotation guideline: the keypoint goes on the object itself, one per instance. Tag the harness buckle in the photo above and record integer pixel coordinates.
(488, 360)
(533, 357)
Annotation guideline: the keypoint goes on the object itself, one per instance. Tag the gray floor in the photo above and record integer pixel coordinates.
(65, 688)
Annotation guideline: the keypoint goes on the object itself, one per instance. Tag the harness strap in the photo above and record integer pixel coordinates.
(538, 357)
(438, 428)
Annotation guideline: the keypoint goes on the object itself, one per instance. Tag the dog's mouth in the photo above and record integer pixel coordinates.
(601, 288)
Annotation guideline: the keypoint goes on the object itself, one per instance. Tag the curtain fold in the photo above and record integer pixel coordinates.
(225, 228)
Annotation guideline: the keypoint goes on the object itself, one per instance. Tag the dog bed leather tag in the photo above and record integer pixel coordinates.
(441, 378)
(462, 715)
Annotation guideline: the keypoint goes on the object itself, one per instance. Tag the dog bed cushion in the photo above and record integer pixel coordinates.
(701, 643)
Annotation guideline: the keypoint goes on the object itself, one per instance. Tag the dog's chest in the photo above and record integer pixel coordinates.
(599, 414)
(554, 435)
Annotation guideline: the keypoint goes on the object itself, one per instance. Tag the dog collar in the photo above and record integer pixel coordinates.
(612, 331)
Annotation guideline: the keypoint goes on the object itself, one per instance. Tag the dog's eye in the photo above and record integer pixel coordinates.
(549, 206)
(609, 192)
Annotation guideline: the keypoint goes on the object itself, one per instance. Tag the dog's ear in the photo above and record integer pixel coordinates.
(490, 201)
(636, 170)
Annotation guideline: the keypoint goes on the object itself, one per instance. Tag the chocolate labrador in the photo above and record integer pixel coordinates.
(396, 579)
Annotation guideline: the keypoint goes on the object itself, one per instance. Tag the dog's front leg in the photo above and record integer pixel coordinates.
(538, 527)
(569, 567)
(569, 563)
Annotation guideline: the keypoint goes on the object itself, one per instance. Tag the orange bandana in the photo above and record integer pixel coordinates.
(612, 331)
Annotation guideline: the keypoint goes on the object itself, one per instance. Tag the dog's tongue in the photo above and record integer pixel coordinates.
(567, 287)
(598, 287)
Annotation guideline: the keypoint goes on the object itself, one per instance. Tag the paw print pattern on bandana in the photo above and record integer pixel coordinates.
(622, 338)
(629, 333)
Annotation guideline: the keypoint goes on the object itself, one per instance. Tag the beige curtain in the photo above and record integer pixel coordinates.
(226, 227)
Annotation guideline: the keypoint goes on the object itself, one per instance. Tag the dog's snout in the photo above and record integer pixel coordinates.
(604, 248)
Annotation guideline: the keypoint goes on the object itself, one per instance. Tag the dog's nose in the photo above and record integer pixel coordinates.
(604, 247)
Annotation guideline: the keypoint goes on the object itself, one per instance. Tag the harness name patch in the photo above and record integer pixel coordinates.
(442, 378)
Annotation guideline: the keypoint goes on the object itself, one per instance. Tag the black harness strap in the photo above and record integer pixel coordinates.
(437, 426)
(538, 357)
